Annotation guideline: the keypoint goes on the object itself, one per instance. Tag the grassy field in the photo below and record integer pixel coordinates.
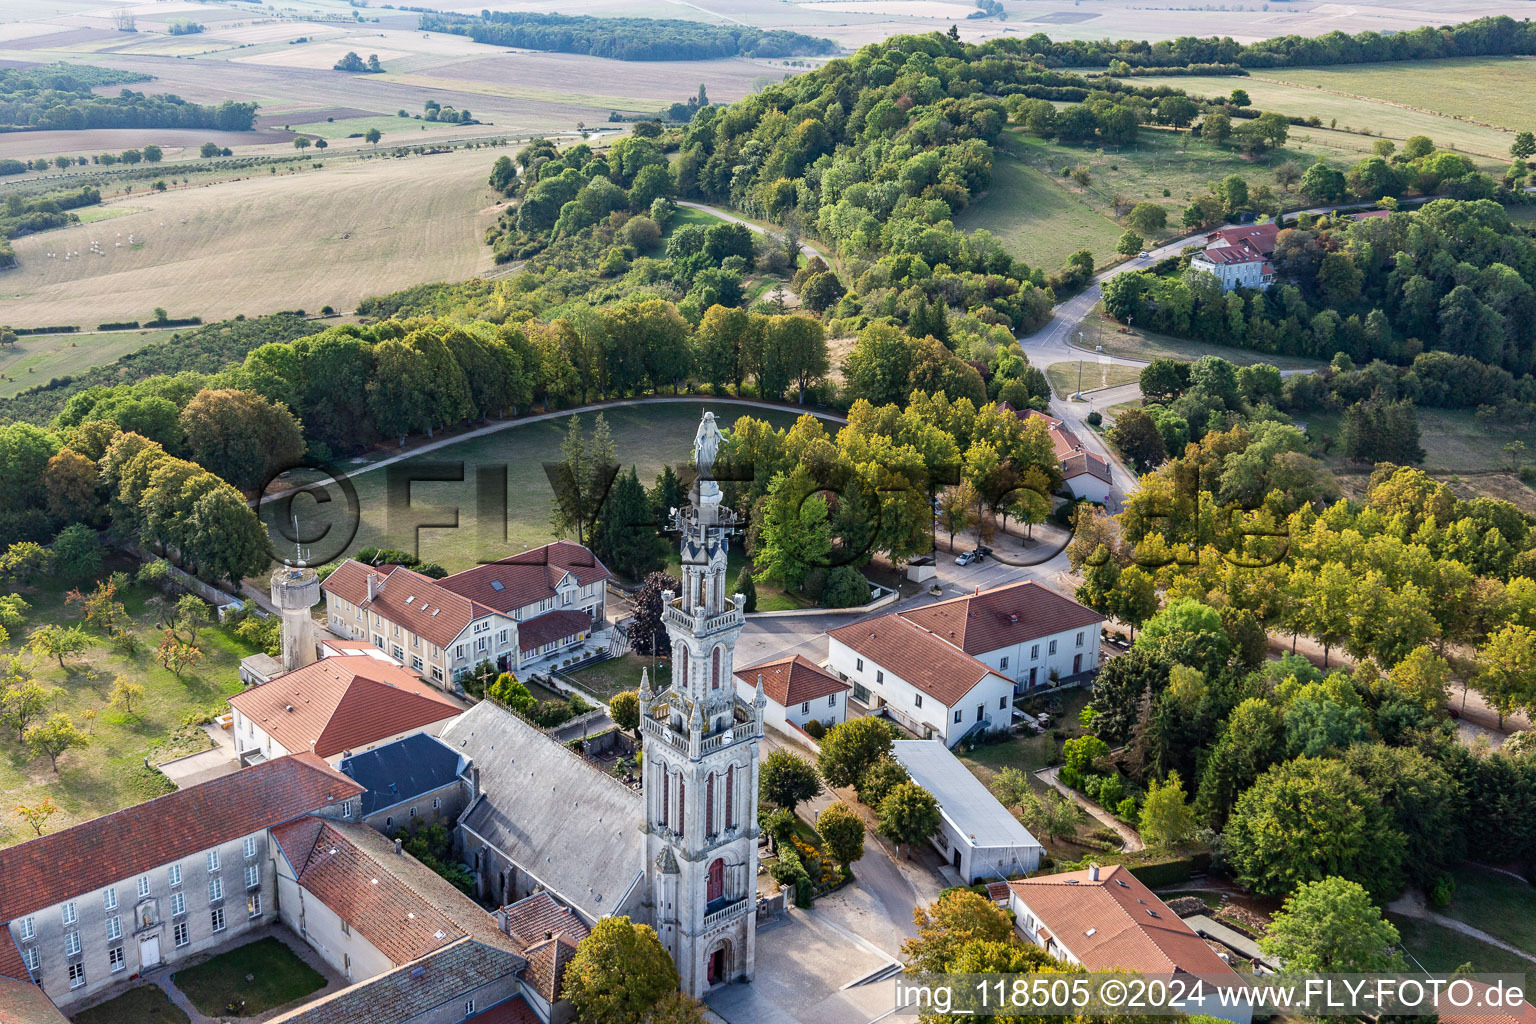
(1498, 904)
(109, 774)
(1134, 343)
(1442, 950)
(1489, 90)
(265, 243)
(147, 1004)
(1180, 163)
(1037, 220)
(1454, 441)
(1291, 91)
(37, 359)
(646, 437)
(389, 127)
(277, 977)
(1064, 377)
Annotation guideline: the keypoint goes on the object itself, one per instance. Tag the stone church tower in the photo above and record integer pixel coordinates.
(701, 757)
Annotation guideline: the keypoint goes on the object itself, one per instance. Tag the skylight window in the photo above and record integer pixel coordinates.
(496, 586)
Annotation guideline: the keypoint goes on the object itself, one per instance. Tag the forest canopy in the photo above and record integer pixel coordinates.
(59, 97)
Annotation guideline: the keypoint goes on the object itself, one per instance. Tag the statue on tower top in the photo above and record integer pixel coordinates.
(706, 448)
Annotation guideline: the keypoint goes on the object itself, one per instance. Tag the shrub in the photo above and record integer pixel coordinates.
(846, 587)
(1443, 889)
(1126, 810)
(815, 728)
(1094, 418)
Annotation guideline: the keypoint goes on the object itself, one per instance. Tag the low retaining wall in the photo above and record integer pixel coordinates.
(888, 598)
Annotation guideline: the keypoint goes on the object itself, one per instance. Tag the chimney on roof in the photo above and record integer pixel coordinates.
(548, 934)
(400, 846)
(474, 782)
(373, 585)
(1093, 868)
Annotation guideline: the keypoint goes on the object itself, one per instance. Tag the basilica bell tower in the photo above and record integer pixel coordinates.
(701, 756)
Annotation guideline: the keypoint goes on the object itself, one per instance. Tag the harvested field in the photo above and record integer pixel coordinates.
(265, 243)
(1491, 90)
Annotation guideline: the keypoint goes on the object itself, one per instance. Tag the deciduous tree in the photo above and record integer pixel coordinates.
(787, 779)
(842, 833)
(619, 973)
(1331, 926)
(58, 734)
(850, 748)
(908, 815)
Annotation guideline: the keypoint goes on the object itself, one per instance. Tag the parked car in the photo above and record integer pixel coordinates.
(965, 558)
(1145, 256)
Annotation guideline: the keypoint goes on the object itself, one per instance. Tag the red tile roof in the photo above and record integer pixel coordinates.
(527, 577)
(1257, 237)
(406, 597)
(1525, 1013)
(337, 704)
(127, 843)
(513, 1011)
(791, 681)
(541, 916)
(547, 961)
(1019, 612)
(405, 910)
(1131, 928)
(22, 1002)
(1086, 463)
(551, 626)
(939, 669)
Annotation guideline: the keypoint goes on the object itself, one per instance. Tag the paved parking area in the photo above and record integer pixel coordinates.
(804, 963)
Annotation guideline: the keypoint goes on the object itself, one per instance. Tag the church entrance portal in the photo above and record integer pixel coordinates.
(716, 968)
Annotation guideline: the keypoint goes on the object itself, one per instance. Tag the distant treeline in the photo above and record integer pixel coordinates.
(626, 38)
(1480, 38)
(59, 97)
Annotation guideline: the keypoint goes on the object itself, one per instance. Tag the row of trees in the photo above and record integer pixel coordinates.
(1494, 35)
(626, 38)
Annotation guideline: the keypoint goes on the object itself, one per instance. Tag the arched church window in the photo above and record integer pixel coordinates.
(730, 796)
(666, 797)
(709, 804)
(714, 669)
(716, 885)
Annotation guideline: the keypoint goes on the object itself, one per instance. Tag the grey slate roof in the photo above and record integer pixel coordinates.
(561, 820)
(444, 978)
(398, 771)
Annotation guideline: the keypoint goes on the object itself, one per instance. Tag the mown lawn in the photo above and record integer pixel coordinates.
(1502, 906)
(109, 773)
(1441, 950)
(1091, 374)
(646, 437)
(277, 976)
(1036, 219)
(603, 679)
(147, 1004)
(1134, 343)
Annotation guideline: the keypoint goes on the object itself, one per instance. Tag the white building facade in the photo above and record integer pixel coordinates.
(924, 683)
(701, 759)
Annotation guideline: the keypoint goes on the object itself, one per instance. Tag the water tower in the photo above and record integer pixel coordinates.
(295, 590)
